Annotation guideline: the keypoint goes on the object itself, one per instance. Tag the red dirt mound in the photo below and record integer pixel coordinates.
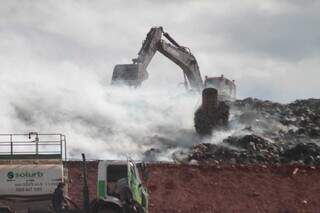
(182, 188)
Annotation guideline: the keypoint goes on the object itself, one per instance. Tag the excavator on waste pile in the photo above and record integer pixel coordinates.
(159, 40)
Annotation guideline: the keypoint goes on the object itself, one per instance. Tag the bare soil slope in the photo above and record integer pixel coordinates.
(182, 188)
(189, 188)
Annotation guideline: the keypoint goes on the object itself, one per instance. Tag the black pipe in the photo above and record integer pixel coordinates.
(86, 199)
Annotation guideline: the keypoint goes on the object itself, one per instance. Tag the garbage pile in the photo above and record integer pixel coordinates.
(252, 149)
(294, 122)
(267, 133)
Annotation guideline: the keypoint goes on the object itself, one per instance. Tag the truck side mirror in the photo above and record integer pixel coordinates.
(144, 171)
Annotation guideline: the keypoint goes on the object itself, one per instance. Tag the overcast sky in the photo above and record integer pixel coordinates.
(271, 48)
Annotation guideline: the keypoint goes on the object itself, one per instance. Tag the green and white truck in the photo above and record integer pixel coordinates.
(120, 188)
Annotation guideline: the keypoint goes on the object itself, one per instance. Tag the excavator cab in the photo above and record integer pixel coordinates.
(225, 87)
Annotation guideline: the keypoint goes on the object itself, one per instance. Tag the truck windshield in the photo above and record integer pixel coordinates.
(116, 172)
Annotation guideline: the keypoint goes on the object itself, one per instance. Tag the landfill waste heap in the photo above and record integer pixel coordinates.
(270, 133)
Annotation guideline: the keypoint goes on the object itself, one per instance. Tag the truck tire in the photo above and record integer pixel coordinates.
(108, 211)
(38, 210)
(6, 209)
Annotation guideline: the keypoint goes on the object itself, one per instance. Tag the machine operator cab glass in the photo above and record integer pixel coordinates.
(225, 87)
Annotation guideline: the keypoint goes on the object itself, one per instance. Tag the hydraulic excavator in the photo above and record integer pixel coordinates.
(134, 74)
(213, 111)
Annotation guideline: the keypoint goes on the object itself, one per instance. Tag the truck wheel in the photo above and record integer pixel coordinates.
(108, 211)
(100, 206)
(6, 209)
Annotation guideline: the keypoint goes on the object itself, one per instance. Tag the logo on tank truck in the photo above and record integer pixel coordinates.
(25, 174)
(29, 179)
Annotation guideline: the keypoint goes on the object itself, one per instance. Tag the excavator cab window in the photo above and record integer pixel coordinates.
(226, 88)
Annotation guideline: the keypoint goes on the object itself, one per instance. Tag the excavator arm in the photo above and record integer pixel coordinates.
(149, 47)
(185, 60)
(134, 74)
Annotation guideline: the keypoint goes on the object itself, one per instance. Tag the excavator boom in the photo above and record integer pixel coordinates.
(186, 61)
(134, 74)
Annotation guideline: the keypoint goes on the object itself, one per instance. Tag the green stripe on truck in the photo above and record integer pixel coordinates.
(101, 189)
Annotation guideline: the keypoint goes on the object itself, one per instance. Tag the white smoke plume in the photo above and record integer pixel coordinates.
(103, 121)
(98, 119)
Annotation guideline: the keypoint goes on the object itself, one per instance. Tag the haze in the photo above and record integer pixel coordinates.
(56, 62)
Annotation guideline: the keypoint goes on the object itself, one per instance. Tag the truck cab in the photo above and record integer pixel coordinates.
(120, 187)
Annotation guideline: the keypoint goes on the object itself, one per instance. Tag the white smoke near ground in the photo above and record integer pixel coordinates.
(108, 122)
(61, 96)
(101, 120)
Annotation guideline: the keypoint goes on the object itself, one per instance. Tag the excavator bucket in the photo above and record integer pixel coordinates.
(129, 74)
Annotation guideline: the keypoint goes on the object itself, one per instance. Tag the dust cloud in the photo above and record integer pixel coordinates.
(103, 121)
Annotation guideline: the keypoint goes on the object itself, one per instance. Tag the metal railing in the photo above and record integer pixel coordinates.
(33, 145)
